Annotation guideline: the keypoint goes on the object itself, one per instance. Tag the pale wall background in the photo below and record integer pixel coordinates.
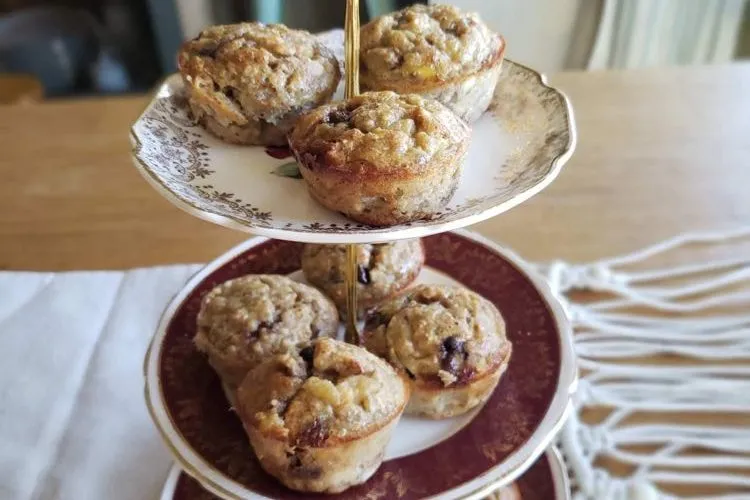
(549, 35)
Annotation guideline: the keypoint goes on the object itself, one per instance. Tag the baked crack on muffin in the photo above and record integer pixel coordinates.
(434, 50)
(381, 158)
(319, 418)
(244, 321)
(248, 83)
(448, 340)
(383, 270)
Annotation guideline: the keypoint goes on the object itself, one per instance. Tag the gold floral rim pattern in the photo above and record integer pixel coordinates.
(539, 482)
(197, 411)
(529, 127)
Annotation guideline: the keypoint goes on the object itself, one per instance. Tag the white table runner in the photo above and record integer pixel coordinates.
(73, 424)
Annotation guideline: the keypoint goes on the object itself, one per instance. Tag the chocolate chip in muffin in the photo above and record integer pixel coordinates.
(376, 319)
(251, 335)
(338, 115)
(427, 300)
(330, 375)
(314, 434)
(265, 326)
(208, 50)
(307, 354)
(452, 355)
(298, 469)
(363, 275)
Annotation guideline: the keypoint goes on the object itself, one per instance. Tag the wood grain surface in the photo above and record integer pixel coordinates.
(660, 152)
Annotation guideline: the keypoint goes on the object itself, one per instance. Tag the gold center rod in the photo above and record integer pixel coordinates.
(351, 48)
(351, 89)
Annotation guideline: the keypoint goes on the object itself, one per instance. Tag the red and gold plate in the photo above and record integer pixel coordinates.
(465, 457)
(546, 479)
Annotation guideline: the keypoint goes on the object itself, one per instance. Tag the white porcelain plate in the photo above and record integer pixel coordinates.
(463, 457)
(517, 148)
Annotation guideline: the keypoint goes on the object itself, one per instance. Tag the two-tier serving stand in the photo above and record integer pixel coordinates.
(517, 149)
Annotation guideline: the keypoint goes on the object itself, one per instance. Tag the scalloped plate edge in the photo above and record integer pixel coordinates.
(354, 236)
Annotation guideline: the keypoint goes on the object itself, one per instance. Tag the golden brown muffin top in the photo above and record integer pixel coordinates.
(259, 315)
(382, 268)
(438, 333)
(326, 393)
(377, 132)
(426, 43)
(258, 70)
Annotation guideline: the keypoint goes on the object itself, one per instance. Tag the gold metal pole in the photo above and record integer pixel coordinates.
(351, 48)
(351, 336)
(351, 69)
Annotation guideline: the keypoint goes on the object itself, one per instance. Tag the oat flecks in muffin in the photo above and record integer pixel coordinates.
(379, 132)
(434, 43)
(322, 395)
(439, 333)
(245, 320)
(248, 82)
(381, 158)
(383, 269)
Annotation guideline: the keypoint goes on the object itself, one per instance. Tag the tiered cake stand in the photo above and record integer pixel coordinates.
(518, 147)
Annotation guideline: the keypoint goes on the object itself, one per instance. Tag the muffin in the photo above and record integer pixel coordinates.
(319, 419)
(449, 341)
(509, 492)
(244, 321)
(381, 158)
(248, 83)
(436, 51)
(383, 270)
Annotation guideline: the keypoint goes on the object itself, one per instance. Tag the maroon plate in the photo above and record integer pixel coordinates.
(544, 480)
(512, 429)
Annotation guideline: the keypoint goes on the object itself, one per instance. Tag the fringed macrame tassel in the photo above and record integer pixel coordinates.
(699, 312)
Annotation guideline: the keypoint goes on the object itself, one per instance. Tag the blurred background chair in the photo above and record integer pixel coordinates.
(104, 46)
(20, 89)
(78, 47)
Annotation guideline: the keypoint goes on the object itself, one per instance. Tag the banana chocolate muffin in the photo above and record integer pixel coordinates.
(384, 269)
(448, 340)
(319, 418)
(248, 83)
(436, 51)
(244, 321)
(381, 158)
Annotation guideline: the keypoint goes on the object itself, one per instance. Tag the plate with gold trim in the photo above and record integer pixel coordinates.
(518, 147)
(546, 479)
(463, 457)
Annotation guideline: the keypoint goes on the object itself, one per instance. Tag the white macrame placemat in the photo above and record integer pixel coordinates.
(698, 313)
(73, 424)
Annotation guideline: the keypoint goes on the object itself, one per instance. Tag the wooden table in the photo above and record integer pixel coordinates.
(660, 152)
